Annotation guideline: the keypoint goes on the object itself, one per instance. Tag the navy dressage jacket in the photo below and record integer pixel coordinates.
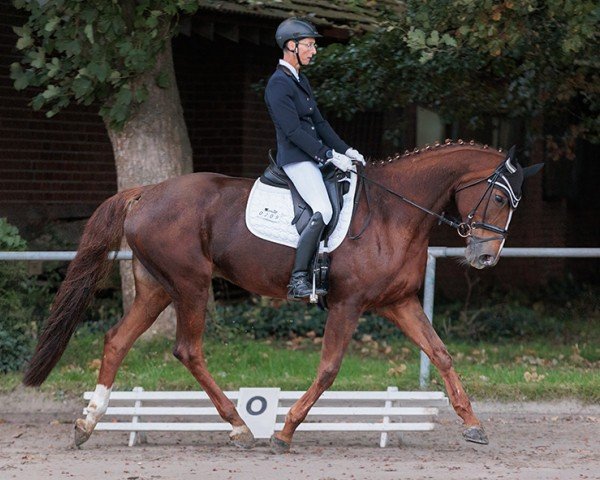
(302, 132)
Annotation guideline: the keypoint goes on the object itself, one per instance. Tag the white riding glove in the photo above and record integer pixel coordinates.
(341, 161)
(356, 156)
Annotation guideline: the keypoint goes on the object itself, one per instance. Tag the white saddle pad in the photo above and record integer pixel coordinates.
(269, 215)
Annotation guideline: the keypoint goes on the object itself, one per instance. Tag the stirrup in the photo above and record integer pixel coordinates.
(316, 292)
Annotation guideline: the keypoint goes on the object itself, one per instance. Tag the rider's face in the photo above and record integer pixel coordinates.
(307, 49)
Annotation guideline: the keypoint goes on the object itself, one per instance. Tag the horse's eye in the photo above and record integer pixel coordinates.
(500, 199)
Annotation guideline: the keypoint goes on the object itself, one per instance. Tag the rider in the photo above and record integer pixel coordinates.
(305, 141)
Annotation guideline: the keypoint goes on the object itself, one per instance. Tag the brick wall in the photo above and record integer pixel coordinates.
(49, 168)
(228, 123)
(259, 132)
(210, 79)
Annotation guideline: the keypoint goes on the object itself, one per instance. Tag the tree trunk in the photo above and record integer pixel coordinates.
(152, 147)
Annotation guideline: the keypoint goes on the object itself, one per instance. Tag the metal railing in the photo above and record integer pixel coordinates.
(429, 287)
(48, 256)
(436, 252)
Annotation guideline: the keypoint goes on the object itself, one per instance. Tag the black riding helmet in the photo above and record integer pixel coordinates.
(295, 29)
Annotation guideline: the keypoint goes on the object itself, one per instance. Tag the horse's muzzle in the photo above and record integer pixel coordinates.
(481, 256)
(486, 260)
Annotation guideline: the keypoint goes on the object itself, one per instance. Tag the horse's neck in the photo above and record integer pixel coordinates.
(428, 179)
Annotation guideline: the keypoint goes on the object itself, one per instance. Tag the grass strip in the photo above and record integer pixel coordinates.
(500, 371)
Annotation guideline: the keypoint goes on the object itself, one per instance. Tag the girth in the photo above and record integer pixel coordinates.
(336, 182)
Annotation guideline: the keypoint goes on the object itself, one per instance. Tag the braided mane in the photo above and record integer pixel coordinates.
(417, 151)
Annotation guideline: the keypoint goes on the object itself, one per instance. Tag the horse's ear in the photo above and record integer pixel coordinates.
(510, 162)
(532, 170)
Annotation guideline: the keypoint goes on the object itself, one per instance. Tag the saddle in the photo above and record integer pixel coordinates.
(336, 182)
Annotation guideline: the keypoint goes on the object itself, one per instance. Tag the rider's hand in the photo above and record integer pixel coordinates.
(341, 161)
(356, 156)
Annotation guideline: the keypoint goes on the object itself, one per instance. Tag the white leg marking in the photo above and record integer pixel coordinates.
(238, 430)
(97, 406)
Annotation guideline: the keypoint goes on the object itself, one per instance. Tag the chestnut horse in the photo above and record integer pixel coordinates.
(188, 229)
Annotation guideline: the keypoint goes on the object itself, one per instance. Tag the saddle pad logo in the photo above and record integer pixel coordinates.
(269, 215)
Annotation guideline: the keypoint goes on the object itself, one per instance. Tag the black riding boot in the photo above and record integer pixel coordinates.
(300, 286)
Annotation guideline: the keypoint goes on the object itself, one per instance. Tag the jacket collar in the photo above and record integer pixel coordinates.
(290, 68)
(302, 83)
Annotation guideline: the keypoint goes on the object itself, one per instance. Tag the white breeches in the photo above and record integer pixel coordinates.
(308, 180)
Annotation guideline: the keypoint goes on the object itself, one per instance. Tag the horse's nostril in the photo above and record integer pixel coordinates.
(486, 259)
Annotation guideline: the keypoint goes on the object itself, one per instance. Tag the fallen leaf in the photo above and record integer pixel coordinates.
(397, 370)
(533, 377)
(95, 364)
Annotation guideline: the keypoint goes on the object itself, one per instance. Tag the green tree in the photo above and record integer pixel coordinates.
(116, 55)
(534, 60)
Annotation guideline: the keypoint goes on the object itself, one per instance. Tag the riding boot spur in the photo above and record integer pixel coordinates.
(300, 286)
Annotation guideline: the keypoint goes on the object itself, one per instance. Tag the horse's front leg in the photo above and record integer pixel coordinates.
(341, 323)
(411, 319)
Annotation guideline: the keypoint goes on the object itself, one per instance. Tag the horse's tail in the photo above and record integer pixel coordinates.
(102, 233)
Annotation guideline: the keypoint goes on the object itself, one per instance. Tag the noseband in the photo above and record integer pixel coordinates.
(464, 229)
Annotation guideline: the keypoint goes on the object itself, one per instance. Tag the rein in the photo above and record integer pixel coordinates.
(464, 229)
(362, 185)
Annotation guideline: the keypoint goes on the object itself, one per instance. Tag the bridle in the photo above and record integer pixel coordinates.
(464, 229)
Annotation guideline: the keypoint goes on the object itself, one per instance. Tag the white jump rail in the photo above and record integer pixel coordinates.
(379, 411)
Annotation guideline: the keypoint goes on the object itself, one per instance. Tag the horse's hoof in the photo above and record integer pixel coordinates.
(242, 437)
(279, 446)
(476, 434)
(80, 434)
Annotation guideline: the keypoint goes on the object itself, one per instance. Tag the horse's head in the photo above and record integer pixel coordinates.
(486, 206)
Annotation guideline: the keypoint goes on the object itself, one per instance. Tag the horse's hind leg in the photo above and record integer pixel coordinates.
(150, 300)
(413, 322)
(190, 304)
